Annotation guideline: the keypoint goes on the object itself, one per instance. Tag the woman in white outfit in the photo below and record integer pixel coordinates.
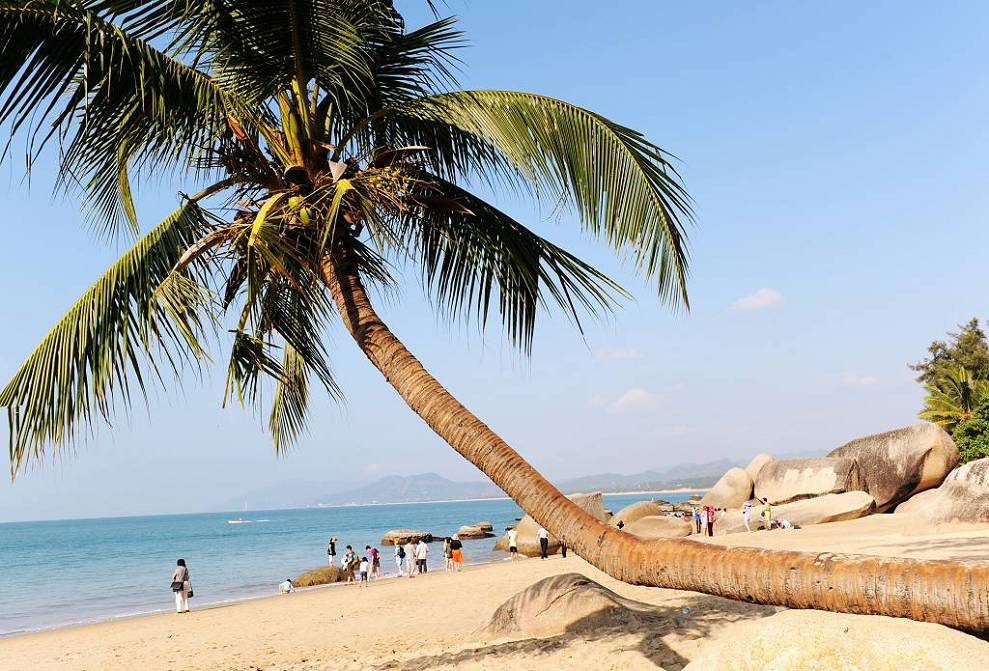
(181, 586)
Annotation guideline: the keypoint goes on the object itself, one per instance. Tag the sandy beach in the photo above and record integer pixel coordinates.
(433, 621)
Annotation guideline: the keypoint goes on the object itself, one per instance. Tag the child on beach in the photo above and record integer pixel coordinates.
(375, 563)
(364, 568)
(513, 543)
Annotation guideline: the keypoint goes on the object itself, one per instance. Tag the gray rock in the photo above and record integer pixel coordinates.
(403, 536)
(659, 526)
(785, 480)
(894, 465)
(963, 497)
(812, 639)
(756, 465)
(528, 541)
(638, 510)
(731, 491)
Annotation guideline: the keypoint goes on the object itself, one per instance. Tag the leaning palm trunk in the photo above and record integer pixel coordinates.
(947, 592)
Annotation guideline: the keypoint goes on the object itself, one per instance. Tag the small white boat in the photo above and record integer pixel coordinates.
(239, 520)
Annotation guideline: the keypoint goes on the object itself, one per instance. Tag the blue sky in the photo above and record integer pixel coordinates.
(836, 153)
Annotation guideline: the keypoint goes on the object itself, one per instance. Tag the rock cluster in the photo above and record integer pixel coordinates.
(907, 469)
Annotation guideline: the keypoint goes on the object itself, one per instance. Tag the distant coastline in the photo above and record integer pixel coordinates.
(678, 490)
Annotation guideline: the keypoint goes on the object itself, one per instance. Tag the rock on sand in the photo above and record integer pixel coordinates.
(896, 464)
(811, 640)
(756, 465)
(324, 575)
(731, 491)
(403, 536)
(527, 527)
(659, 526)
(638, 510)
(785, 480)
(964, 497)
(567, 603)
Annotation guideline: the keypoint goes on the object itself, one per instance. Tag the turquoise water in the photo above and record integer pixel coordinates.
(72, 571)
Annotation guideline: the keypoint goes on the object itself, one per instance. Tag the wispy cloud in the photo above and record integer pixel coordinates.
(851, 378)
(634, 400)
(760, 300)
(619, 355)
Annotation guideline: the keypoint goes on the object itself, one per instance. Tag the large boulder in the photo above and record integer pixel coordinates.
(567, 603)
(963, 497)
(324, 575)
(917, 502)
(403, 536)
(659, 526)
(785, 480)
(639, 509)
(811, 640)
(827, 508)
(756, 465)
(805, 512)
(527, 527)
(896, 464)
(731, 491)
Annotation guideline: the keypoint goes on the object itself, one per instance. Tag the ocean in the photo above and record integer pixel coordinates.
(73, 571)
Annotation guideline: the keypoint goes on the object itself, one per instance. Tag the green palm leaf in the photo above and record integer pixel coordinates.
(622, 186)
(473, 255)
(102, 345)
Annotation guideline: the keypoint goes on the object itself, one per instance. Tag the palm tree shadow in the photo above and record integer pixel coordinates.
(694, 617)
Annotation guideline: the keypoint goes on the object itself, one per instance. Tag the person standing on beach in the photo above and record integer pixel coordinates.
(410, 558)
(543, 536)
(375, 563)
(767, 513)
(697, 518)
(457, 553)
(710, 518)
(447, 556)
(747, 515)
(399, 557)
(331, 550)
(181, 586)
(513, 543)
(422, 553)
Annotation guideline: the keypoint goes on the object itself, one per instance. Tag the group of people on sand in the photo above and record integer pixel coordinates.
(411, 558)
(363, 569)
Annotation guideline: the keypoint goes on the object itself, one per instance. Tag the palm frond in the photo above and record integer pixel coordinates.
(107, 341)
(287, 419)
(473, 255)
(114, 101)
(624, 188)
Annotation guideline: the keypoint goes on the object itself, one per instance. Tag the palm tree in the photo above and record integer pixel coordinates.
(954, 398)
(333, 144)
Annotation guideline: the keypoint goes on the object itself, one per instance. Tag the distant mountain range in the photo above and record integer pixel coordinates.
(433, 487)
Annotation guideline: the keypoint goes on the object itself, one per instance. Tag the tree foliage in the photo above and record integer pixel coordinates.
(966, 348)
(327, 130)
(954, 398)
(972, 435)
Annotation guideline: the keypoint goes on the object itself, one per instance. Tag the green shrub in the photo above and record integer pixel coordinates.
(972, 435)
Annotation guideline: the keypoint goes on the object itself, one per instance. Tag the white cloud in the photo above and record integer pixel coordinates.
(635, 399)
(761, 299)
(853, 379)
(619, 355)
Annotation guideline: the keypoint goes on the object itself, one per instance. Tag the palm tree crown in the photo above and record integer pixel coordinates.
(320, 130)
